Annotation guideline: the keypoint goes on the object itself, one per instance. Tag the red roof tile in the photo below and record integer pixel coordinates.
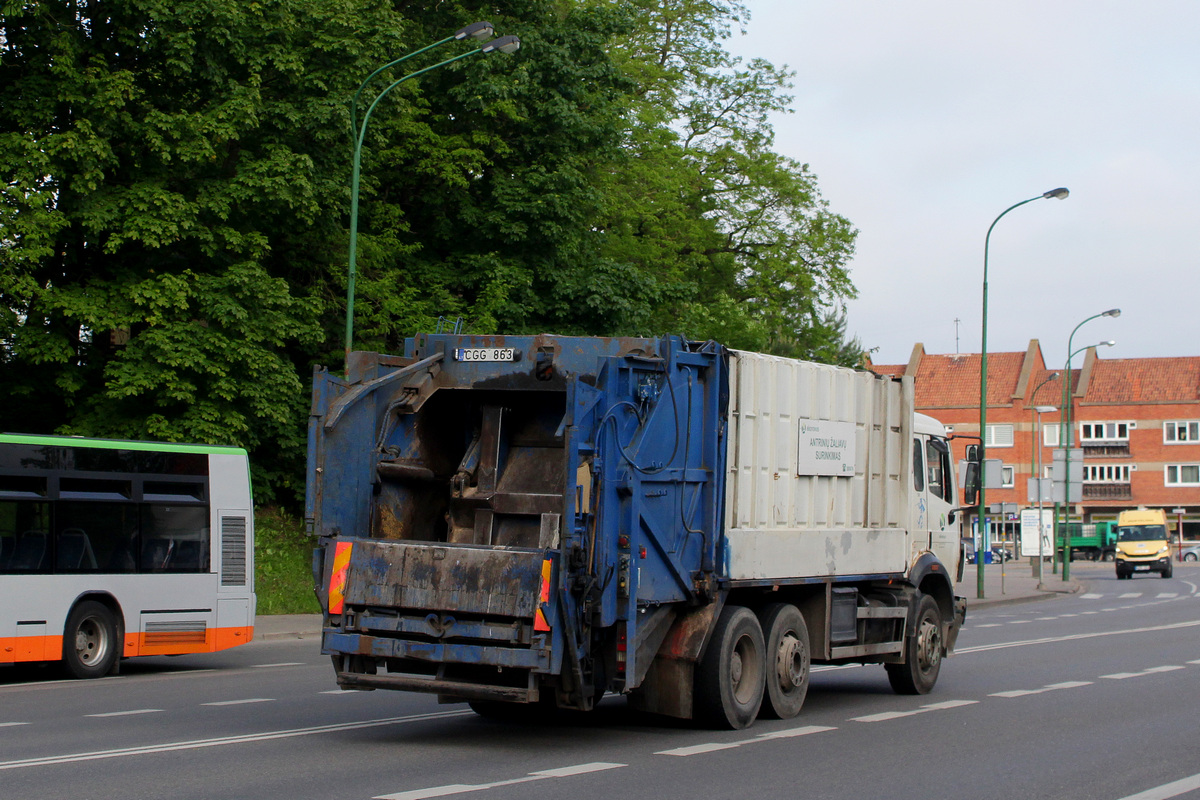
(945, 381)
(1145, 380)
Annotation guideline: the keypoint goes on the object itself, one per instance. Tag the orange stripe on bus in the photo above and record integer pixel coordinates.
(17, 649)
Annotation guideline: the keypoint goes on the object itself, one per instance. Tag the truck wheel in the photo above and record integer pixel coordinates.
(90, 640)
(922, 652)
(788, 660)
(731, 675)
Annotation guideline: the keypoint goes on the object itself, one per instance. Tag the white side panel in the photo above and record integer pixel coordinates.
(782, 524)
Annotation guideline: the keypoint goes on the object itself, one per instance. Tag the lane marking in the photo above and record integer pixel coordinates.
(1091, 596)
(129, 713)
(1050, 688)
(541, 775)
(1128, 595)
(12, 724)
(282, 664)
(712, 747)
(1075, 637)
(1120, 676)
(890, 715)
(1168, 594)
(196, 744)
(1172, 789)
(241, 702)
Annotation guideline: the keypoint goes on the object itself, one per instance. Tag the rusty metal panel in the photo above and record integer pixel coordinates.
(434, 577)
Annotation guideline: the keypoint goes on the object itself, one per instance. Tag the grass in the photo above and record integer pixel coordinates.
(283, 564)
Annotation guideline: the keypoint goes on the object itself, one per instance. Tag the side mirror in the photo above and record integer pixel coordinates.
(971, 483)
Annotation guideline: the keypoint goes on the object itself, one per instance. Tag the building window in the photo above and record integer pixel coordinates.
(1105, 431)
(1181, 432)
(999, 436)
(1007, 477)
(1050, 434)
(1183, 475)
(1106, 473)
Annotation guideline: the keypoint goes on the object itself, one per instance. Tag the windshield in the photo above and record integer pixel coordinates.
(1141, 533)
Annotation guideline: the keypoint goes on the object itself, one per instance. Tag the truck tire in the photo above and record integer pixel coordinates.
(1166, 573)
(788, 660)
(922, 652)
(90, 640)
(732, 673)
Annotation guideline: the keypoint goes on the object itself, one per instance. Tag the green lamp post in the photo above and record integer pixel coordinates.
(1067, 432)
(1060, 194)
(478, 30)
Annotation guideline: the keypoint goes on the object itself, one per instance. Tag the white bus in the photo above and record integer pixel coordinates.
(114, 549)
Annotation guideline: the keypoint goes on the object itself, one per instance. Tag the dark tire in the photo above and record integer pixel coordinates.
(788, 661)
(732, 674)
(922, 652)
(90, 646)
(1168, 572)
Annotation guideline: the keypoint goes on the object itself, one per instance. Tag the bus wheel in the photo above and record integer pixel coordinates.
(90, 640)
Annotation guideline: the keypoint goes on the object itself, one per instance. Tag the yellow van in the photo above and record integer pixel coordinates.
(1142, 544)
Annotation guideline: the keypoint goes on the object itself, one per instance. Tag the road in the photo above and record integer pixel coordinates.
(1090, 696)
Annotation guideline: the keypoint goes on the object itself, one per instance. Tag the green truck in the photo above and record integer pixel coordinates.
(1093, 541)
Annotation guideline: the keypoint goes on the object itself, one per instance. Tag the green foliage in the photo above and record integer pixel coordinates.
(174, 201)
(283, 564)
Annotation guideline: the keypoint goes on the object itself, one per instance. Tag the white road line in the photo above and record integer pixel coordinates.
(1052, 687)
(1129, 594)
(460, 788)
(1091, 596)
(196, 744)
(1020, 621)
(1168, 594)
(12, 724)
(712, 747)
(1075, 636)
(890, 715)
(1120, 676)
(989, 625)
(1065, 616)
(283, 664)
(1196, 661)
(1173, 789)
(241, 702)
(129, 713)
(698, 749)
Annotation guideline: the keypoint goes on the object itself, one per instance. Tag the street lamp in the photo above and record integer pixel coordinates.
(1035, 461)
(1068, 432)
(1060, 194)
(477, 30)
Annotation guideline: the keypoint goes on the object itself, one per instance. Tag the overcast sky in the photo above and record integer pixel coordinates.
(925, 119)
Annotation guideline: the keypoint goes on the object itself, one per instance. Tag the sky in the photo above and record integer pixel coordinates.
(925, 119)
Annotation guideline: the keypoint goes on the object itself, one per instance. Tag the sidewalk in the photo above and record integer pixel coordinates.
(1012, 582)
(1019, 586)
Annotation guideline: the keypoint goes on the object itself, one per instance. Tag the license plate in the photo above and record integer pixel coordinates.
(1142, 569)
(485, 354)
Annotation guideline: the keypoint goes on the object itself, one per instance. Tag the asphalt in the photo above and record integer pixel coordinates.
(1003, 584)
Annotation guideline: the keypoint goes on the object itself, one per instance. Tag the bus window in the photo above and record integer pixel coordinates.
(174, 538)
(25, 545)
(95, 537)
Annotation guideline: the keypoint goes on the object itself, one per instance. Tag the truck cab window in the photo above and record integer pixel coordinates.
(918, 466)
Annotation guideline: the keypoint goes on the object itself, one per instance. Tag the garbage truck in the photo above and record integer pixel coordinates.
(524, 522)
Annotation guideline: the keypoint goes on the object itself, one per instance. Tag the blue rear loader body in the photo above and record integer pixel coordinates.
(539, 519)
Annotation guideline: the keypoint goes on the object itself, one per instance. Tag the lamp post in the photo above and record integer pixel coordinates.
(477, 30)
(1060, 194)
(1068, 433)
(1039, 410)
(1035, 464)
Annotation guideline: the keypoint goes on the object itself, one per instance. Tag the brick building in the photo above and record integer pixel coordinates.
(1136, 419)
